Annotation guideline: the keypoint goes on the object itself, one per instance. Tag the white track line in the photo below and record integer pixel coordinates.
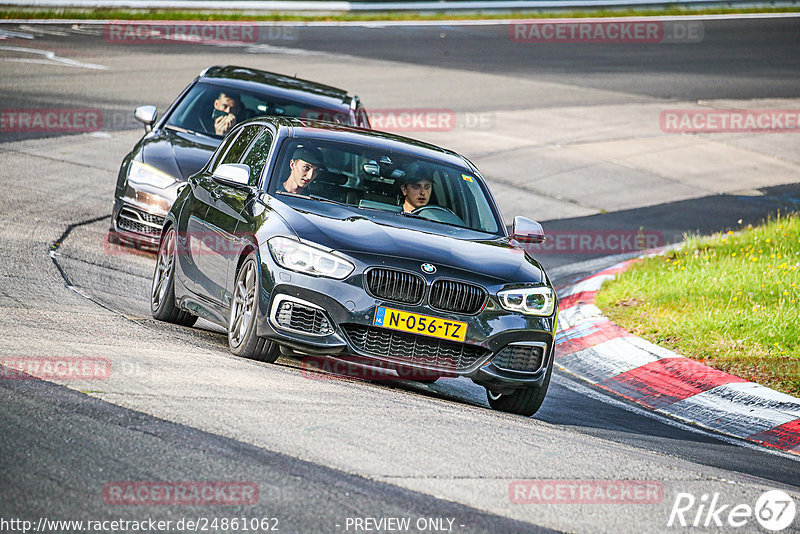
(50, 58)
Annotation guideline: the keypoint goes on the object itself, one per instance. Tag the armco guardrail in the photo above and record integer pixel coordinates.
(337, 6)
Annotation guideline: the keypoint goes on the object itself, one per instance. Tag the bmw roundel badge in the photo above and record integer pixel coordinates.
(428, 268)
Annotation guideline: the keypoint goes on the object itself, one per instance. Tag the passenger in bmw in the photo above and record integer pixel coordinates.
(305, 165)
(416, 190)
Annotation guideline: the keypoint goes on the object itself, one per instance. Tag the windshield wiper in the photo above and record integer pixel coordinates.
(414, 215)
(288, 194)
(417, 216)
(323, 199)
(185, 130)
(312, 197)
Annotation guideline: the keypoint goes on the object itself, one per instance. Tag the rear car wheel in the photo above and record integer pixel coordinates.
(242, 338)
(524, 401)
(162, 292)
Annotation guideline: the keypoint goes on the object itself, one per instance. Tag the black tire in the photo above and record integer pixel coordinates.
(524, 401)
(162, 291)
(242, 338)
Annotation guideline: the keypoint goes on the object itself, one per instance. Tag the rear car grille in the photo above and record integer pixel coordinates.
(527, 358)
(394, 285)
(459, 297)
(412, 348)
(140, 222)
(302, 318)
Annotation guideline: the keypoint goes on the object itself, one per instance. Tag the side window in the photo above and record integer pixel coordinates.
(238, 147)
(257, 157)
(223, 148)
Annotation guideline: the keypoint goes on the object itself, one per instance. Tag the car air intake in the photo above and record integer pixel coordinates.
(412, 348)
(140, 222)
(525, 358)
(459, 297)
(399, 286)
(301, 318)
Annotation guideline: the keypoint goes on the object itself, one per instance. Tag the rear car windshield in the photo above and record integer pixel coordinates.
(196, 111)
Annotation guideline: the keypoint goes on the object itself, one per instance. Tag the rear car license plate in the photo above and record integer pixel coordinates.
(420, 324)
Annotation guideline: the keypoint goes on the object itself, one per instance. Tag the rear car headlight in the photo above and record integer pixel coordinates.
(141, 173)
(297, 256)
(529, 300)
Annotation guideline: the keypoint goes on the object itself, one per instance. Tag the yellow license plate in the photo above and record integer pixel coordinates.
(420, 324)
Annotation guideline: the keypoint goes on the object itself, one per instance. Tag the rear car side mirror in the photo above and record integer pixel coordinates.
(527, 231)
(146, 115)
(235, 174)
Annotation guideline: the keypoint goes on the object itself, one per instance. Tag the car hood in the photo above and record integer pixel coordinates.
(352, 231)
(176, 153)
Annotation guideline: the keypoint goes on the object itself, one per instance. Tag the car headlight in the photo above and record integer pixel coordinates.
(141, 173)
(297, 256)
(529, 300)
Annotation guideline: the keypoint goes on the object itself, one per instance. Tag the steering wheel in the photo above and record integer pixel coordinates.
(438, 214)
(204, 125)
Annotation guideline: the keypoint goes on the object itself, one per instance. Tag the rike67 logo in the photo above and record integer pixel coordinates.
(774, 510)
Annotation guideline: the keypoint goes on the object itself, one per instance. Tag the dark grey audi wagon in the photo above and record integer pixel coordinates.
(179, 143)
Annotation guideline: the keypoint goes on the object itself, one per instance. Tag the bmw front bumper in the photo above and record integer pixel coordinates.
(502, 350)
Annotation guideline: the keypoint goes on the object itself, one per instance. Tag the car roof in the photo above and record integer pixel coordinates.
(290, 88)
(298, 127)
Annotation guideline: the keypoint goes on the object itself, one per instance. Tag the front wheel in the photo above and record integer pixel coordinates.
(523, 401)
(242, 338)
(162, 292)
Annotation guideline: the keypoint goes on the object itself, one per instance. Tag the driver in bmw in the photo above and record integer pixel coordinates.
(416, 192)
(306, 164)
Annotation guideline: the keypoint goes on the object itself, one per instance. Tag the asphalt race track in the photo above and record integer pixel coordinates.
(566, 133)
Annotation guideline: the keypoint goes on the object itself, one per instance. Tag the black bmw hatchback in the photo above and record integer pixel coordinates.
(179, 143)
(311, 238)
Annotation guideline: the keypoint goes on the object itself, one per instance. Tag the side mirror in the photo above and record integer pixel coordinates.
(527, 231)
(146, 115)
(234, 174)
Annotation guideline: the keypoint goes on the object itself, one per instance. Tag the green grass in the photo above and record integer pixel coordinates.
(731, 301)
(9, 12)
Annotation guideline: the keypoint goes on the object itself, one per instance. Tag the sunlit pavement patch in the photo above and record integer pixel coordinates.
(593, 348)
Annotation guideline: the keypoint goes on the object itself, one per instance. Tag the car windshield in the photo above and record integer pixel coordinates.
(399, 183)
(205, 103)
